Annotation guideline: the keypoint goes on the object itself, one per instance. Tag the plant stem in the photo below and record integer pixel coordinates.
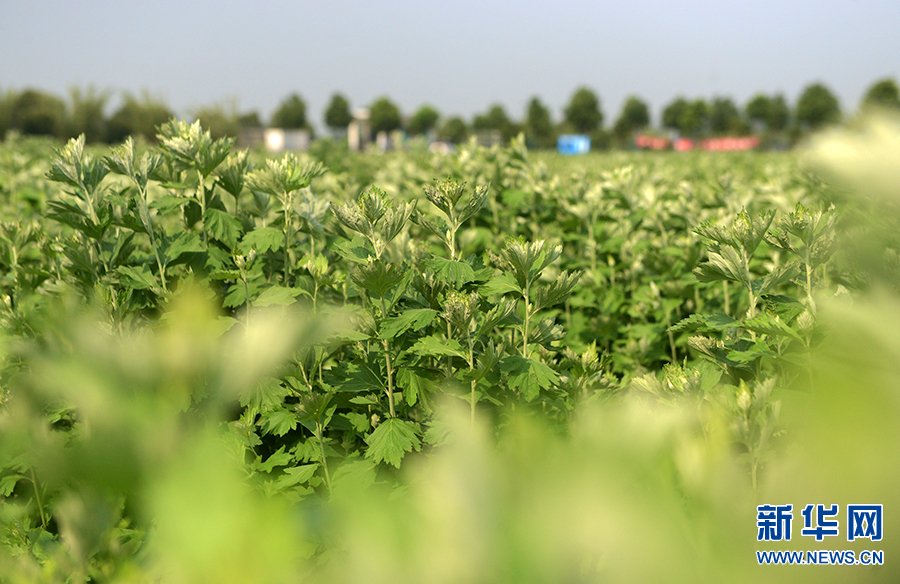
(319, 433)
(37, 494)
(390, 368)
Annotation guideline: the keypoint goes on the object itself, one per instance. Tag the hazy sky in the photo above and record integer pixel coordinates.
(459, 55)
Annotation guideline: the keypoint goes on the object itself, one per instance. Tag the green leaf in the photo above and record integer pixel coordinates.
(222, 226)
(295, 476)
(278, 458)
(501, 284)
(8, 484)
(433, 346)
(414, 319)
(451, 272)
(557, 291)
(377, 277)
(138, 278)
(266, 394)
(168, 203)
(706, 322)
(527, 376)
(391, 440)
(279, 422)
(278, 296)
(353, 250)
(262, 240)
(186, 242)
(728, 265)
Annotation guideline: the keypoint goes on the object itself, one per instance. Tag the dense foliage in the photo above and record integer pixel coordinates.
(489, 366)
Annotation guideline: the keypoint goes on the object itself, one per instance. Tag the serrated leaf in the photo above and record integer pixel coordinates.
(354, 473)
(186, 242)
(262, 239)
(727, 265)
(414, 319)
(266, 394)
(279, 422)
(137, 277)
(168, 203)
(557, 291)
(278, 458)
(222, 226)
(501, 284)
(433, 346)
(451, 272)
(705, 322)
(391, 440)
(8, 484)
(528, 376)
(296, 475)
(354, 251)
(278, 296)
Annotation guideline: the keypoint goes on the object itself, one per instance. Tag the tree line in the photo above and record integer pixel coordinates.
(34, 112)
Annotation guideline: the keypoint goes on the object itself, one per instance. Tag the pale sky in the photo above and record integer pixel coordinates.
(460, 56)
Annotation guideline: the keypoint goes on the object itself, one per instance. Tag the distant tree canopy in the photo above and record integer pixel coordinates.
(137, 118)
(87, 115)
(337, 114)
(453, 130)
(817, 106)
(496, 119)
(34, 112)
(539, 129)
(583, 111)
(688, 118)
(291, 114)
(423, 121)
(883, 93)
(634, 116)
(384, 116)
(221, 121)
(771, 112)
(671, 115)
(724, 117)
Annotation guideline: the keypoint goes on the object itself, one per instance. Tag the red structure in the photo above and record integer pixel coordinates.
(723, 144)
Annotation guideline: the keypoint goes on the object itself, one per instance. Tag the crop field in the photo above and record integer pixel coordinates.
(493, 365)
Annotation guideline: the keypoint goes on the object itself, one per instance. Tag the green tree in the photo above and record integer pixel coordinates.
(779, 113)
(724, 117)
(250, 119)
(817, 107)
(634, 116)
(221, 121)
(771, 112)
(583, 111)
(883, 93)
(337, 114)
(694, 118)
(291, 114)
(137, 118)
(496, 119)
(538, 125)
(453, 130)
(384, 116)
(87, 113)
(423, 121)
(7, 99)
(37, 113)
(671, 115)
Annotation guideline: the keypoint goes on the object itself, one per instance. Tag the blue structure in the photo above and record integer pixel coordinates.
(573, 144)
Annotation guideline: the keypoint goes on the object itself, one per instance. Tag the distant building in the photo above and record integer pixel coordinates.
(359, 132)
(279, 139)
(573, 144)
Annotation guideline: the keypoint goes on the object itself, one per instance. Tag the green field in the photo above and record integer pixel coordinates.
(490, 366)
